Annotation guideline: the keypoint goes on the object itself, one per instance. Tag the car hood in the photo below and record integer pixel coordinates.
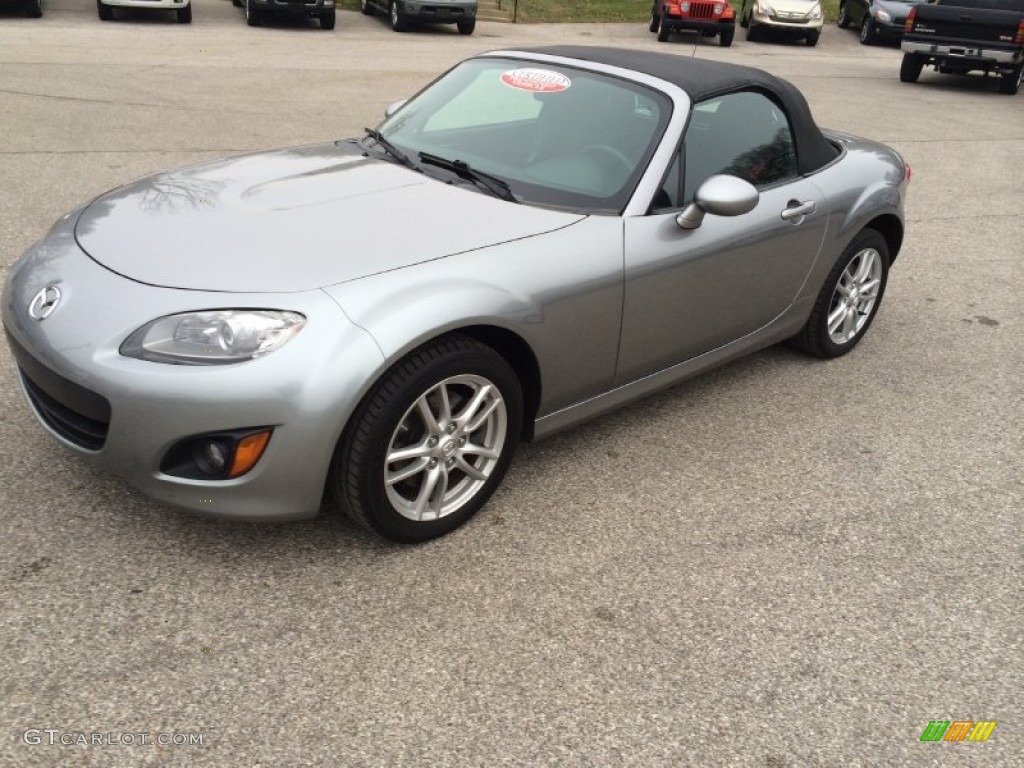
(896, 6)
(293, 220)
(792, 6)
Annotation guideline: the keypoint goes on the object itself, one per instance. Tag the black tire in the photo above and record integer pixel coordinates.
(868, 32)
(663, 30)
(843, 19)
(753, 33)
(105, 12)
(1010, 83)
(655, 19)
(398, 24)
(358, 471)
(236, 3)
(910, 68)
(252, 14)
(726, 32)
(744, 20)
(34, 8)
(365, 8)
(184, 15)
(814, 338)
(328, 19)
(812, 38)
(466, 27)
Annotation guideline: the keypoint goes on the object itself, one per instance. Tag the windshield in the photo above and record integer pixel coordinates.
(560, 137)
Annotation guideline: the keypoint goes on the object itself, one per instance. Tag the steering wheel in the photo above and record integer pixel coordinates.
(609, 152)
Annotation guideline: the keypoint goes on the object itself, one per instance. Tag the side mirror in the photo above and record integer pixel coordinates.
(394, 107)
(720, 195)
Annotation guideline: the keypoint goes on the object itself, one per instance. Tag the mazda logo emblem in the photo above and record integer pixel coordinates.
(44, 302)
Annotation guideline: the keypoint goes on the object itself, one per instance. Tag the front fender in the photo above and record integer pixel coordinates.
(560, 293)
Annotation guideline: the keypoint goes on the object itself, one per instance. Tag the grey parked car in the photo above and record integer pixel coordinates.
(535, 238)
(406, 13)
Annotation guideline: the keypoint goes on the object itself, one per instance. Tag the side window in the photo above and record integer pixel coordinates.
(742, 134)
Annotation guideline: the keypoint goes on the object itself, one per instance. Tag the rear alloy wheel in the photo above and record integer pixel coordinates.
(663, 30)
(910, 68)
(34, 8)
(430, 443)
(466, 27)
(868, 33)
(849, 299)
(1010, 82)
(327, 19)
(184, 15)
(105, 12)
(397, 22)
(725, 35)
(252, 14)
(843, 20)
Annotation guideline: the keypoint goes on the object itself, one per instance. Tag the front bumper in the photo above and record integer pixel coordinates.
(784, 21)
(305, 390)
(701, 25)
(161, 5)
(437, 13)
(294, 7)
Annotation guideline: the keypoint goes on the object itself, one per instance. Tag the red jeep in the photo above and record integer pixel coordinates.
(709, 17)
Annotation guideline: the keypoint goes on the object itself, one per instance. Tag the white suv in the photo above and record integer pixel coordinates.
(182, 8)
(799, 18)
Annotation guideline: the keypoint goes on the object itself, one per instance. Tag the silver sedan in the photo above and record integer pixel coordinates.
(535, 238)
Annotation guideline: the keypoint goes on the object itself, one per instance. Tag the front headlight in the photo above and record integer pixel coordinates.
(684, 7)
(882, 16)
(718, 9)
(815, 12)
(765, 9)
(213, 337)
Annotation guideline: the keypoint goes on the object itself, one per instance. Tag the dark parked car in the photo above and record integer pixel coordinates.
(404, 14)
(33, 8)
(256, 10)
(877, 20)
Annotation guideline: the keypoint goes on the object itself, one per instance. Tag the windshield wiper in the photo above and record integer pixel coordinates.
(390, 148)
(493, 184)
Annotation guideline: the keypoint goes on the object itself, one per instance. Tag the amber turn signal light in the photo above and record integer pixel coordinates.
(248, 452)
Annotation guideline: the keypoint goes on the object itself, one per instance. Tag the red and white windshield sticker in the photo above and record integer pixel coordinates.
(536, 80)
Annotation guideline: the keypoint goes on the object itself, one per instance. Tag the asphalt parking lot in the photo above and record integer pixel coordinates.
(783, 563)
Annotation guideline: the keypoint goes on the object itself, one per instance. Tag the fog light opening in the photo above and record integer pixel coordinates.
(248, 451)
(213, 456)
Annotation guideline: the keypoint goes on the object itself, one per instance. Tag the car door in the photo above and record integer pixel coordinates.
(688, 291)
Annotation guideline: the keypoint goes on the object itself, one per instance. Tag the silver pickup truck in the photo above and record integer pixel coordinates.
(962, 36)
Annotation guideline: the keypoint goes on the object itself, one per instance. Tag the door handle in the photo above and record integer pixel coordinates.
(798, 210)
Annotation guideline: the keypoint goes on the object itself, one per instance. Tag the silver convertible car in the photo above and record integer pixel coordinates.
(536, 237)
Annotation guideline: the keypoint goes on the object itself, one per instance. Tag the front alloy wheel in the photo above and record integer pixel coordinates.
(868, 32)
(397, 22)
(843, 20)
(849, 299)
(432, 441)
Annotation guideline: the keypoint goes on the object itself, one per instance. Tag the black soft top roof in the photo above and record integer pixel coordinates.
(701, 79)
